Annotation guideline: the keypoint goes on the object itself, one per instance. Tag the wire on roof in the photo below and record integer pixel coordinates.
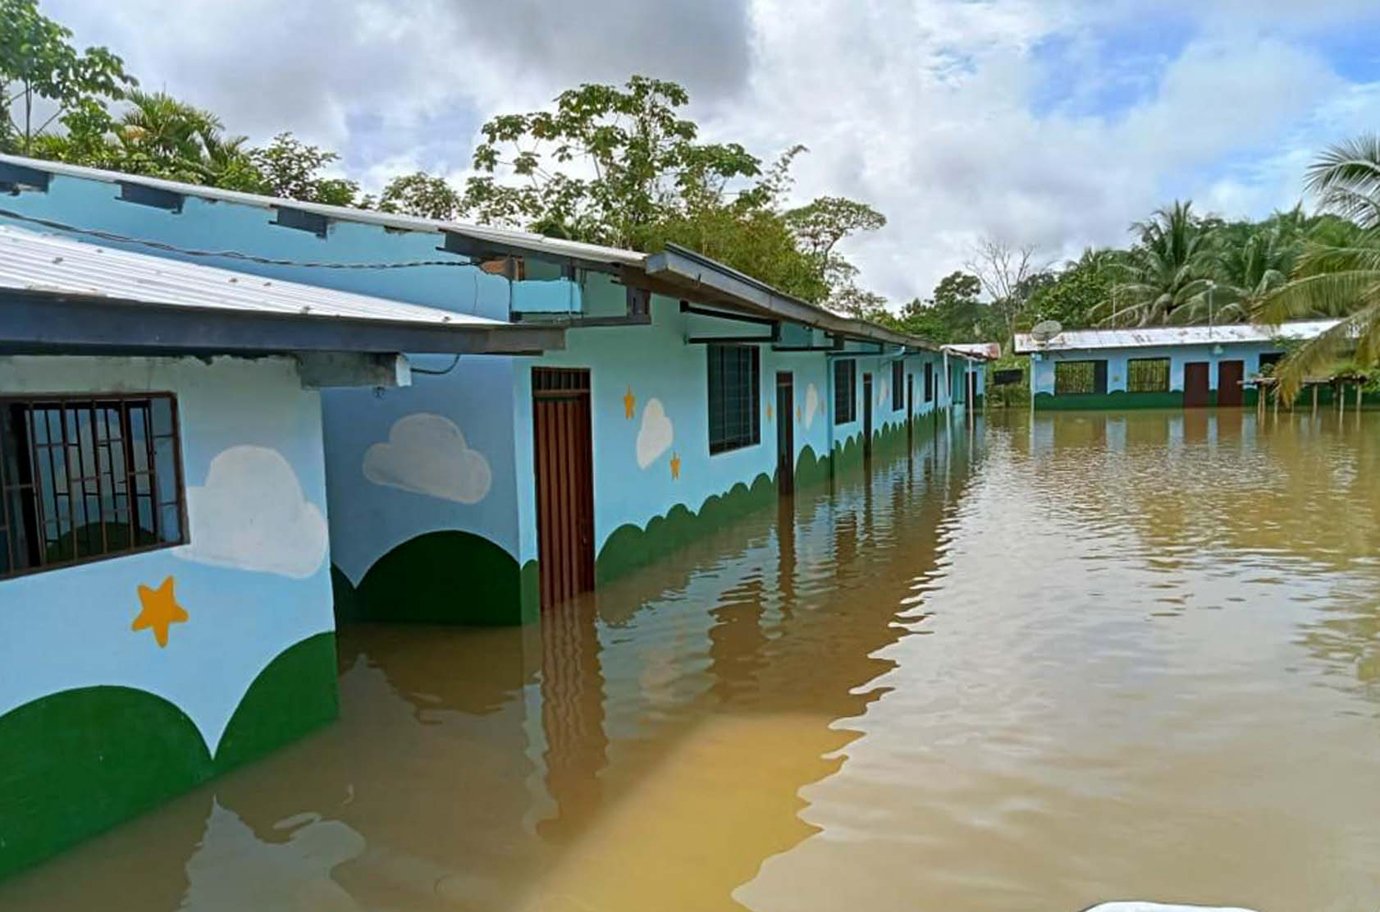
(114, 238)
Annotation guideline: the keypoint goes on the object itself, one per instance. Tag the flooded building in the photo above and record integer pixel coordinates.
(1155, 367)
(164, 572)
(685, 392)
(246, 447)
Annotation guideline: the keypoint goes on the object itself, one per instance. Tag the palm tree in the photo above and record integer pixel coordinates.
(170, 138)
(1168, 271)
(1253, 261)
(1338, 274)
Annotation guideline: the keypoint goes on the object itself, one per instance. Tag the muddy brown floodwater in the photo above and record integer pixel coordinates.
(1070, 659)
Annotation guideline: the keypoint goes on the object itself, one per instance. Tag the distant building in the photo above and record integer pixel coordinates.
(1155, 367)
(199, 386)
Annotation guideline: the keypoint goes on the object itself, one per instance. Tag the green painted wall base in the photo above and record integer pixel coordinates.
(447, 577)
(1115, 400)
(1118, 400)
(76, 763)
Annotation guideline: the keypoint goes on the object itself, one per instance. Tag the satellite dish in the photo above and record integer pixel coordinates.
(1046, 330)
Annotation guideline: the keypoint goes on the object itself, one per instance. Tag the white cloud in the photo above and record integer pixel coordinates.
(252, 515)
(427, 454)
(655, 435)
(883, 389)
(811, 405)
(952, 117)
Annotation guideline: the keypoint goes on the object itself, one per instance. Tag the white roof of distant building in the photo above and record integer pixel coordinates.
(988, 351)
(58, 265)
(1156, 336)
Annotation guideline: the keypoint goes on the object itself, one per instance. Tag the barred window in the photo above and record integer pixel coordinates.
(845, 391)
(898, 380)
(82, 479)
(734, 397)
(1074, 377)
(929, 381)
(1147, 375)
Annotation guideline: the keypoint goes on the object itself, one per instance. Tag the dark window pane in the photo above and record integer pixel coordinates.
(81, 478)
(1147, 375)
(733, 394)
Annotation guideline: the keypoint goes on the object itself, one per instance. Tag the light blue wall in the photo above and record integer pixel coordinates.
(480, 407)
(253, 579)
(1042, 364)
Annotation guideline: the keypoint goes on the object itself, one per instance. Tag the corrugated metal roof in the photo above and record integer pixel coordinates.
(1153, 336)
(535, 244)
(48, 263)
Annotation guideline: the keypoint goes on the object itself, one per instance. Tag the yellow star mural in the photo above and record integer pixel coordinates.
(159, 611)
(629, 404)
(799, 413)
(768, 411)
(675, 466)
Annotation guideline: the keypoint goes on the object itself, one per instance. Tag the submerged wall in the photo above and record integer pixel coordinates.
(1042, 374)
(99, 721)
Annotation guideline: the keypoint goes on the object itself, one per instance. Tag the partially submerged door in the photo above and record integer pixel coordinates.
(785, 433)
(1195, 384)
(563, 456)
(910, 409)
(1229, 377)
(867, 416)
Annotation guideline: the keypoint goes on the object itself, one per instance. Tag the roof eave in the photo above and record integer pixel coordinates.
(44, 322)
(728, 287)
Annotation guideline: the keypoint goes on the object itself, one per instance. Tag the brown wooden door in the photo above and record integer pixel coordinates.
(785, 433)
(1229, 377)
(910, 409)
(1195, 384)
(563, 452)
(867, 416)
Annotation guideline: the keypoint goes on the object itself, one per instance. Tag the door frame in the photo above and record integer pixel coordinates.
(1231, 395)
(785, 433)
(574, 466)
(910, 408)
(1197, 395)
(867, 414)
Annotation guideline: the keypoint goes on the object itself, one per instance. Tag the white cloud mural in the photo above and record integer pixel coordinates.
(655, 435)
(252, 515)
(811, 405)
(883, 389)
(427, 454)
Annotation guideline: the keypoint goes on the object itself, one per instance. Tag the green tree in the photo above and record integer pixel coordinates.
(1077, 293)
(954, 313)
(603, 167)
(290, 168)
(421, 194)
(44, 79)
(1167, 272)
(1338, 273)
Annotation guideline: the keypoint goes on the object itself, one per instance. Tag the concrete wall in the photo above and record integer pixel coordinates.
(98, 720)
(1042, 364)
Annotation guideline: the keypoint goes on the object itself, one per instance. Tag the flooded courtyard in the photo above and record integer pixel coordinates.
(1051, 661)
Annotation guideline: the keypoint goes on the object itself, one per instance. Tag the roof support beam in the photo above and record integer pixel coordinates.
(46, 323)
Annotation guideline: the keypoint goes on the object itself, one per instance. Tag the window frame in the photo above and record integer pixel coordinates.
(1130, 371)
(929, 381)
(1098, 386)
(898, 381)
(738, 441)
(19, 490)
(849, 390)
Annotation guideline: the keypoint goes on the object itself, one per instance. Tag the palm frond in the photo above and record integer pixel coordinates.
(1319, 356)
(1321, 295)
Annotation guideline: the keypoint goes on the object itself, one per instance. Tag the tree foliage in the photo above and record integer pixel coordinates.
(1338, 272)
(45, 80)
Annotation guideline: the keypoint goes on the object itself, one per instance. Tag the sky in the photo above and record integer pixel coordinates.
(1056, 123)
